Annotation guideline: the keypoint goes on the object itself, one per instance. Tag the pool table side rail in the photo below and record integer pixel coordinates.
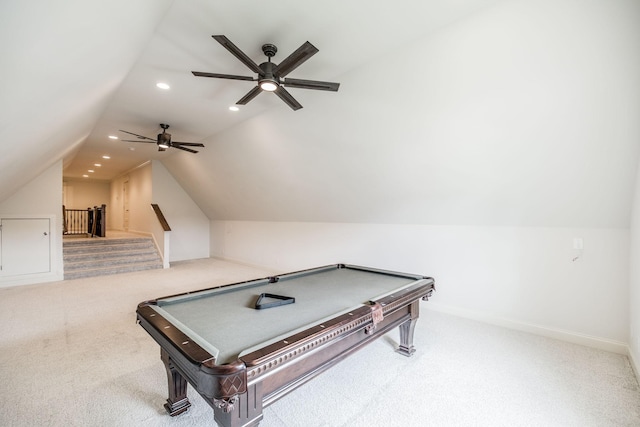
(387, 272)
(356, 319)
(150, 320)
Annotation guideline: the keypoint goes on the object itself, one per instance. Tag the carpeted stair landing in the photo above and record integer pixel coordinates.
(89, 257)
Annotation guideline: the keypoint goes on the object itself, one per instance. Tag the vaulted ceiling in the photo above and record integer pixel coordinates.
(493, 112)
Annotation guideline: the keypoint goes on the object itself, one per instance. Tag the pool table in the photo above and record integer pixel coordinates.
(244, 345)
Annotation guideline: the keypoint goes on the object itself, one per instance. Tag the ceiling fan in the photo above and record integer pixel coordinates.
(164, 140)
(271, 77)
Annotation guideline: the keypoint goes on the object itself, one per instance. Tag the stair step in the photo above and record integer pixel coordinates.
(106, 271)
(99, 255)
(108, 262)
(104, 241)
(90, 257)
(108, 245)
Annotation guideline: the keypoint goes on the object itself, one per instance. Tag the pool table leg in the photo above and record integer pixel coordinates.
(177, 402)
(243, 410)
(406, 330)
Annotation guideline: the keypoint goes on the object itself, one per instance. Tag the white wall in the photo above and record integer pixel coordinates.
(152, 183)
(140, 213)
(523, 114)
(40, 198)
(83, 194)
(115, 214)
(140, 190)
(521, 277)
(189, 226)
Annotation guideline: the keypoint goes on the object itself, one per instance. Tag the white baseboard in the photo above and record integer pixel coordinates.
(632, 359)
(30, 279)
(564, 335)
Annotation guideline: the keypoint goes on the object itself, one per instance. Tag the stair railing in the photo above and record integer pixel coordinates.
(161, 235)
(88, 221)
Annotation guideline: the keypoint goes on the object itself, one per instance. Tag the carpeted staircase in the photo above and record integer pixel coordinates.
(88, 257)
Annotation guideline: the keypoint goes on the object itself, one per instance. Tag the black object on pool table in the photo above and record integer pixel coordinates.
(241, 361)
(272, 300)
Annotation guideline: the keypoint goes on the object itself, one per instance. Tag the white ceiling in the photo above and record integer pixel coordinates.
(197, 108)
(463, 112)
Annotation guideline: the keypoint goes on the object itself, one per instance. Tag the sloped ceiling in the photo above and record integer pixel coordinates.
(62, 61)
(449, 112)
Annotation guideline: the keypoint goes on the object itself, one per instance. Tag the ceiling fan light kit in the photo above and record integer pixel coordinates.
(268, 85)
(271, 76)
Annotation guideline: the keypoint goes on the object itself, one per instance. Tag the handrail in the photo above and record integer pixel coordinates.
(161, 218)
(161, 235)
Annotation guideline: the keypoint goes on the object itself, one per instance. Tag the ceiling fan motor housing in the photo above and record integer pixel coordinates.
(164, 139)
(267, 73)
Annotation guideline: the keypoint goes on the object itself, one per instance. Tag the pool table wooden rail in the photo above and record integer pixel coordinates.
(239, 390)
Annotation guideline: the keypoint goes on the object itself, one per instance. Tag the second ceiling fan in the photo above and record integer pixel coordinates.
(163, 140)
(271, 76)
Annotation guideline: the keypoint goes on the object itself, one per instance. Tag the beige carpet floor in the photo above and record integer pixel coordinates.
(71, 354)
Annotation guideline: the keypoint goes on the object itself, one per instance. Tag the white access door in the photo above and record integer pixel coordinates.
(25, 246)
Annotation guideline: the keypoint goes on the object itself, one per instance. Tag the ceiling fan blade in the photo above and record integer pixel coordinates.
(139, 136)
(222, 76)
(311, 84)
(235, 51)
(291, 62)
(133, 140)
(183, 148)
(287, 98)
(188, 144)
(249, 96)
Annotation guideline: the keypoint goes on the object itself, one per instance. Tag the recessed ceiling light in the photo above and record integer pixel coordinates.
(113, 137)
(132, 149)
(97, 164)
(85, 176)
(162, 85)
(234, 108)
(91, 170)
